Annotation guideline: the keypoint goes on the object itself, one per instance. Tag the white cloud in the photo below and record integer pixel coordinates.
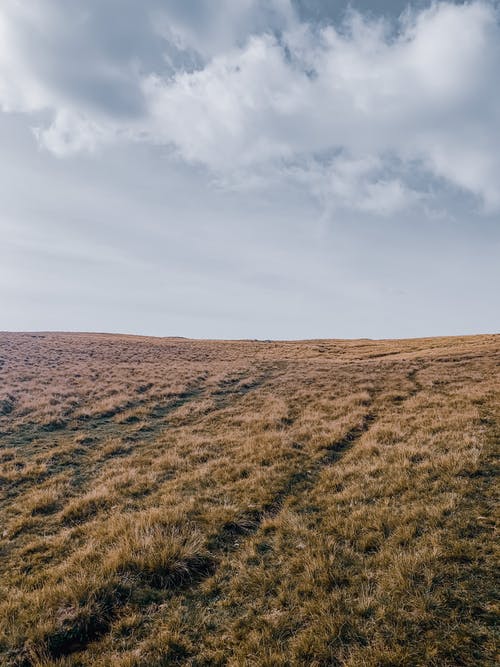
(231, 113)
(366, 184)
(71, 133)
(271, 95)
(360, 184)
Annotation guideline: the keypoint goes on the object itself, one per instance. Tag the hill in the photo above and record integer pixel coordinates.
(170, 501)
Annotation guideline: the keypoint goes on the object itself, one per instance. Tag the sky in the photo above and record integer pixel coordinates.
(272, 169)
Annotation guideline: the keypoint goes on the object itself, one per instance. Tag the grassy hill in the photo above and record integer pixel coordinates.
(170, 501)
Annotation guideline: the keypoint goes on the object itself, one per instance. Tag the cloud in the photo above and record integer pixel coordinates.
(70, 133)
(356, 112)
(196, 26)
(363, 184)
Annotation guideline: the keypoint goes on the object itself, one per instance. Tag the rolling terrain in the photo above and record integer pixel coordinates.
(165, 501)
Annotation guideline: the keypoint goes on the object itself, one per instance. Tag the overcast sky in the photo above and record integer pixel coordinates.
(250, 168)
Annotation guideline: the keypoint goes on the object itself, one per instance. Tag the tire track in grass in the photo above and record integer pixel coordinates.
(77, 633)
(229, 538)
(232, 536)
(32, 440)
(234, 533)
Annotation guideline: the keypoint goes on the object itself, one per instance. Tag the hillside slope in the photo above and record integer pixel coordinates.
(169, 501)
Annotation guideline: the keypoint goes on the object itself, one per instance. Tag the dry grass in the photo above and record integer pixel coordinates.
(167, 501)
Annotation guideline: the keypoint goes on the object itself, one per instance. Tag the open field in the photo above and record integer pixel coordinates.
(168, 501)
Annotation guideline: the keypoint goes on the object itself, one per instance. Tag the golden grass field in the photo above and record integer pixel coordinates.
(180, 502)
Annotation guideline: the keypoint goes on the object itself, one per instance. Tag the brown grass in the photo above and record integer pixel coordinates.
(167, 501)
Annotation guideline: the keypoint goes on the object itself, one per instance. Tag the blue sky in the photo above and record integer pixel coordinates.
(250, 169)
